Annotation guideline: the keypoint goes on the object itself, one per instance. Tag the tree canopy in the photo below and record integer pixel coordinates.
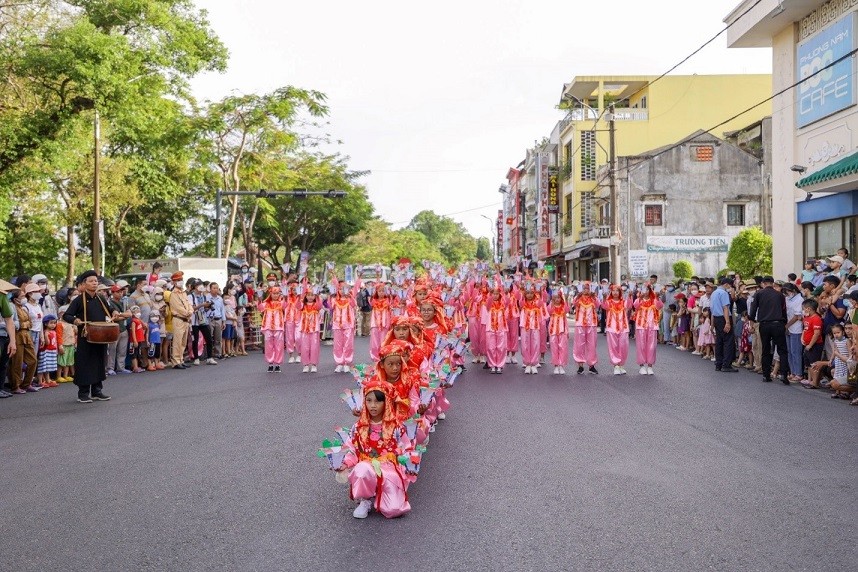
(750, 252)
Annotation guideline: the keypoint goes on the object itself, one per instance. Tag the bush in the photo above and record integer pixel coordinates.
(683, 269)
(750, 253)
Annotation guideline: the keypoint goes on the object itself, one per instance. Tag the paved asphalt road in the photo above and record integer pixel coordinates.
(215, 469)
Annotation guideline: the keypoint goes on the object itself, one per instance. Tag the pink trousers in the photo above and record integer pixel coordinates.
(291, 331)
(389, 488)
(376, 336)
(344, 346)
(273, 346)
(530, 347)
(560, 349)
(310, 343)
(645, 344)
(477, 333)
(543, 336)
(618, 347)
(496, 348)
(512, 336)
(584, 349)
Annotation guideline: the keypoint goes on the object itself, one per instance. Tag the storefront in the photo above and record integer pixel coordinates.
(830, 221)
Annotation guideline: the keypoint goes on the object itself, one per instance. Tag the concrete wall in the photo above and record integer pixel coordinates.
(694, 196)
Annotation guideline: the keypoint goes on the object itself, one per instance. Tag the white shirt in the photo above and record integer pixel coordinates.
(793, 308)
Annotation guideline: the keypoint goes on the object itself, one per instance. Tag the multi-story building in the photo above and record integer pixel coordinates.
(814, 121)
(648, 113)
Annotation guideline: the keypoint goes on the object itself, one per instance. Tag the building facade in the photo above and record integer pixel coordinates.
(814, 123)
(647, 114)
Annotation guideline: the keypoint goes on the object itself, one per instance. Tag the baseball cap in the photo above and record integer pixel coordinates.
(43, 278)
(122, 283)
(835, 258)
(115, 288)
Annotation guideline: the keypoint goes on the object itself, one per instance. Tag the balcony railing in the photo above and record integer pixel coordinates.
(620, 114)
(595, 233)
(630, 114)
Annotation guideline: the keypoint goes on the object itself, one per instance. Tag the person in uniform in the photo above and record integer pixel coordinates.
(181, 309)
(90, 358)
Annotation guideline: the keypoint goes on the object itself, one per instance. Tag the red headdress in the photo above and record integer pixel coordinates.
(398, 321)
(388, 420)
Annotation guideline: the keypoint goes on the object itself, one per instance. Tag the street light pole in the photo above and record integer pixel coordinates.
(96, 195)
(494, 236)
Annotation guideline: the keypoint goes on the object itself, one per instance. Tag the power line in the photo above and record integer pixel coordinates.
(455, 213)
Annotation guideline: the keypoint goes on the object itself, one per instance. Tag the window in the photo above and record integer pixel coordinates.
(735, 215)
(588, 156)
(702, 153)
(643, 102)
(652, 215)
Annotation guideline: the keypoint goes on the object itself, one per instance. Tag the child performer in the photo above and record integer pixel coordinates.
(376, 478)
(586, 321)
(48, 351)
(542, 291)
(512, 323)
(647, 322)
(475, 300)
(616, 308)
(494, 322)
(343, 316)
(379, 320)
(531, 316)
(292, 322)
(273, 309)
(558, 331)
(310, 330)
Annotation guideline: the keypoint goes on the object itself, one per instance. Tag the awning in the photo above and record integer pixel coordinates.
(843, 168)
(580, 252)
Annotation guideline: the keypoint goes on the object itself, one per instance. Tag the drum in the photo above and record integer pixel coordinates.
(101, 332)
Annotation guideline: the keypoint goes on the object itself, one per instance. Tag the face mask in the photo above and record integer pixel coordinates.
(244, 270)
(36, 297)
(154, 319)
(159, 297)
(137, 314)
(180, 284)
(271, 283)
(200, 288)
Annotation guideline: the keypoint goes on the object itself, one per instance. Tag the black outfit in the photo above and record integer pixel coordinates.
(768, 308)
(725, 344)
(90, 359)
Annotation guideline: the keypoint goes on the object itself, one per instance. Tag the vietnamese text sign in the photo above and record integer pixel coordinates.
(687, 244)
(638, 263)
(833, 89)
(553, 195)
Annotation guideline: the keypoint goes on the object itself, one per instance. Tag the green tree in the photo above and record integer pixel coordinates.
(378, 243)
(449, 236)
(484, 249)
(750, 252)
(683, 269)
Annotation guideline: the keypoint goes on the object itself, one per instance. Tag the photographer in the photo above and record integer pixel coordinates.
(202, 303)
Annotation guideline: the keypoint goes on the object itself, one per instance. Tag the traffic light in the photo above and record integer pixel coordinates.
(335, 194)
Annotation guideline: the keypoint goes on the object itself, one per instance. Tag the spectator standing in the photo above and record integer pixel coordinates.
(140, 298)
(201, 303)
(217, 316)
(181, 310)
(90, 358)
(848, 266)
(831, 307)
(155, 275)
(49, 306)
(722, 318)
(365, 309)
(794, 314)
(768, 311)
(117, 353)
(8, 346)
(21, 381)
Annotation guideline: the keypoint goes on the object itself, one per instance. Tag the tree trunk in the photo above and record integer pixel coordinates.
(71, 254)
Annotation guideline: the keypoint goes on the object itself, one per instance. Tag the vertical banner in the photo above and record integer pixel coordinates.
(553, 194)
(542, 181)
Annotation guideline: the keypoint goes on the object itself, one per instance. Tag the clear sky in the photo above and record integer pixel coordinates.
(439, 99)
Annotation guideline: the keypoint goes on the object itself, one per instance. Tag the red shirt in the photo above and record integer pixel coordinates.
(812, 324)
(138, 331)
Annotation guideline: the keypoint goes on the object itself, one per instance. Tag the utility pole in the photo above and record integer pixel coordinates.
(96, 197)
(615, 218)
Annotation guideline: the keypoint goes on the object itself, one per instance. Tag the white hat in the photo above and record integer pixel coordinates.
(147, 289)
(122, 283)
(835, 258)
(160, 283)
(42, 277)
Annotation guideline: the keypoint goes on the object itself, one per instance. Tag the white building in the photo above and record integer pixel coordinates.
(814, 124)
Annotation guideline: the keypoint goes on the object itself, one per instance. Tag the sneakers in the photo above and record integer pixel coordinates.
(270, 369)
(109, 372)
(123, 371)
(508, 358)
(291, 359)
(696, 353)
(649, 370)
(643, 370)
(442, 416)
(211, 361)
(313, 369)
(618, 370)
(306, 369)
(562, 370)
(556, 370)
(580, 369)
(297, 359)
(338, 369)
(593, 369)
(197, 361)
(100, 397)
(363, 508)
(276, 369)
(514, 359)
(83, 399)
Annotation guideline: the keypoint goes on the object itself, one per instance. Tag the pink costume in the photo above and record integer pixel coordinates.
(476, 331)
(512, 325)
(617, 328)
(647, 320)
(586, 321)
(343, 311)
(543, 325)
(273, 320)
(293, 320)
(375, 471)
(311, 317)
(495, 324)
(379, 323)
(531, 316)
(559, 334)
